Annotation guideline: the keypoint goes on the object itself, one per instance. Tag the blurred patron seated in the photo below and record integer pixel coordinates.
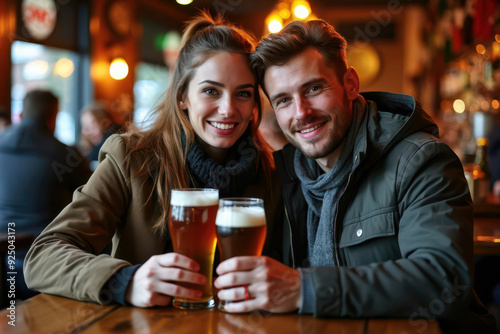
(97, 126)
(4, 119)
(38, 174)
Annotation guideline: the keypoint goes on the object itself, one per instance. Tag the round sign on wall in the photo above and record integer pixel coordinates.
(39, 17)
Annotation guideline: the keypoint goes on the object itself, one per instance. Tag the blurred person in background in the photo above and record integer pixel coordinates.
(38, 174)
(97, 125)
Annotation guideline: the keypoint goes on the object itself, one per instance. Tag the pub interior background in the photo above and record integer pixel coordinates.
(446, 53)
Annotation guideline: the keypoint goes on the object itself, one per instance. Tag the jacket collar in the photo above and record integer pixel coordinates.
(389, 119)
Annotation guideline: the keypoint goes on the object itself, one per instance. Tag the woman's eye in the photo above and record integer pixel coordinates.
(209, 91)
(245, 94)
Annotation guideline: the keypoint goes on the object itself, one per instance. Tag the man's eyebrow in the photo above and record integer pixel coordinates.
(313, 81)
(273, 98)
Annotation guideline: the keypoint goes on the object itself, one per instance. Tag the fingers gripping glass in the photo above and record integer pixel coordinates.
(192, 228)
(241, 230)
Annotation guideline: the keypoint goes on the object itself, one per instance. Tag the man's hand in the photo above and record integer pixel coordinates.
(154, 282)
(272, 286)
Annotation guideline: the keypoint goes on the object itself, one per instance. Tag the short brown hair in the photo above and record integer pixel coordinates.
(277, 49)
(41, 104)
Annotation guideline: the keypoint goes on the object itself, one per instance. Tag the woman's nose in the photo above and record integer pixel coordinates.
(226, 107)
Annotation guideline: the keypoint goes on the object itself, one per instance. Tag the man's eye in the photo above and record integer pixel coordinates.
(283, 100)
(314, 89)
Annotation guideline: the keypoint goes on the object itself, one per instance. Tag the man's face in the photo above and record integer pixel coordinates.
(312, 107)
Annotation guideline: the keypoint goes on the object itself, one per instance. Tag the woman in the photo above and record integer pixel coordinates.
(204, 136)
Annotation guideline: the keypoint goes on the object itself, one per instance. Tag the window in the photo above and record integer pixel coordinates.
(151, 83)
(35, 66)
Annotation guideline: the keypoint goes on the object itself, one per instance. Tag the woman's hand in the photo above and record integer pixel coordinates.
(154, 283)
(271, 285)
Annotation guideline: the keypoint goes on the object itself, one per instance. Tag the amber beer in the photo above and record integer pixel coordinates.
(192, 228)
(241, 228)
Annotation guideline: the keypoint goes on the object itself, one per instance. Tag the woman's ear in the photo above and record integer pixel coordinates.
(351, 83)
(183, 106)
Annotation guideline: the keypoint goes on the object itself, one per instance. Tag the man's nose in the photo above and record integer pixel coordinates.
(226, 107)
(302, 108)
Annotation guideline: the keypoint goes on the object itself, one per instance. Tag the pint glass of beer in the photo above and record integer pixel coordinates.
(192, 228)
(241, 229)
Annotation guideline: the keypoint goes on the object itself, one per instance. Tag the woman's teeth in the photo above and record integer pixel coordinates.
(223, 126)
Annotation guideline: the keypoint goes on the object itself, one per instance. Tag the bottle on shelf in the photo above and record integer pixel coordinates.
(479, 174)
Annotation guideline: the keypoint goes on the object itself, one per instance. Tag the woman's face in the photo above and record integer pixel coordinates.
(220, 101)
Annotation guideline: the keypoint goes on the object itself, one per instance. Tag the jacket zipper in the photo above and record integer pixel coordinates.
(291, 238)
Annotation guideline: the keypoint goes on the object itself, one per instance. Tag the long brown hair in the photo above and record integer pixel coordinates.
(160, 148)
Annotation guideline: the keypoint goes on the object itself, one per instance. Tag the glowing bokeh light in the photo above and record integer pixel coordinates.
(459, 106)
(118, 69)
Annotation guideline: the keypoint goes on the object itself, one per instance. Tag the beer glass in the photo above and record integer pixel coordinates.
(241, 229)
(192, 228)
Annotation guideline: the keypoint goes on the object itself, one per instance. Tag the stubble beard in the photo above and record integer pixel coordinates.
(311, 152)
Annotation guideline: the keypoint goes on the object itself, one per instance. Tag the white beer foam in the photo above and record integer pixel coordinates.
(194, 198)
(240, 217)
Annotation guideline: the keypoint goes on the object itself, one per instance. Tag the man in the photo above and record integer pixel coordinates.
(38, 174)
(379, 216)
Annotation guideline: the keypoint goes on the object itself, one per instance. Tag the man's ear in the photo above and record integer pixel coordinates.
(351, 83)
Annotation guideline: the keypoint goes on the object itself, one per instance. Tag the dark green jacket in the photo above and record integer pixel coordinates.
(403, 228)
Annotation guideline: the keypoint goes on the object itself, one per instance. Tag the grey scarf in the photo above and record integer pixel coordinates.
(322, 192)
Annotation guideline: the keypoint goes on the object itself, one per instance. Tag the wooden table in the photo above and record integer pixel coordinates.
(487, 227)
(49, 314)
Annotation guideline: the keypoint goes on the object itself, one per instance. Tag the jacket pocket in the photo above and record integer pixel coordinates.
(371, 238)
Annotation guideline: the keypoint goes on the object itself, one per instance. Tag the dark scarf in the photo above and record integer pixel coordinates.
(322, 192)
(233, 176)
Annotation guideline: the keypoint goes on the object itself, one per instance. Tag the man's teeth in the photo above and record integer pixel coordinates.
(223, 126)
(310, 129)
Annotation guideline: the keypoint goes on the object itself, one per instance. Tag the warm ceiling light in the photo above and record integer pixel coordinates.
(64, 68)
(184, 2)
(118, 69)
(285, 11)
(301, 9)
(275, 26)
(495, 104)
(274, 23)
(459, 106)
(480, 49)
